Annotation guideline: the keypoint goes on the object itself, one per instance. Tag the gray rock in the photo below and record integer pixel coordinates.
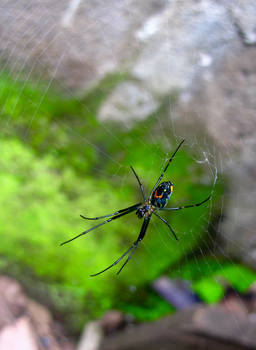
(212, 328)
(225, 108)
(244, 15)
(25, 324)
(18, 336)
(128, 102)
(76, 42)
(91, 337)
(177, 43)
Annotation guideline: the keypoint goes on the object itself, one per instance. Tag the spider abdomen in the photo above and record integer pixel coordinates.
(162, 194)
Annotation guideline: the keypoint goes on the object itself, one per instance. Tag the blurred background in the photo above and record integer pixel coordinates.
(88, 88)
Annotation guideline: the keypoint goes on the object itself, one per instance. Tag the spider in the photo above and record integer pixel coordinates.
(157, 200)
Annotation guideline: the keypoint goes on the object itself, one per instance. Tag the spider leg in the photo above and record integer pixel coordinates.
(129, 257)
(139, 239)
(115, 213)
(132, 249)
(114, 263)
(166, 167)
(103, 223)
(188, 206)
(174, 234)
(140, 184)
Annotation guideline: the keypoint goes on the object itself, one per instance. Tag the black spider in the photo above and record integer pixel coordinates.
(157, 200)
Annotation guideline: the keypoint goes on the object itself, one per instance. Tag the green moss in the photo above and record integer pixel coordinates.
(209, 290)
(211, 274)
(145, 305)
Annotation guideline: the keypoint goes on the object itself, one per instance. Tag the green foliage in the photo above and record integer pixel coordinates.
(210, 276)
(211, 288)
(145, 305)
(58, 161)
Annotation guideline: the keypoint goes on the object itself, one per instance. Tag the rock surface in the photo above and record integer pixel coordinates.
(202, 327)
(18, 336)
(225, 107)
(75, 41)
(128, 102)
(25, 324)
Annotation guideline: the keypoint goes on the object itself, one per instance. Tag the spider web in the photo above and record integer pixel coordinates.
(26, 54)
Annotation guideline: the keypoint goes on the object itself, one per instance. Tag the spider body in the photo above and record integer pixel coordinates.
(160, 198)
(162, 194)
(156, 202)
(145, 210)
